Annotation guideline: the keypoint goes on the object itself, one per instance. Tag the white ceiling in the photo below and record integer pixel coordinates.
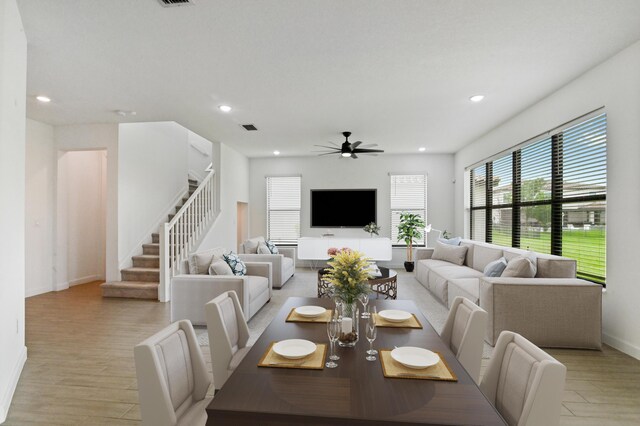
(396, 73)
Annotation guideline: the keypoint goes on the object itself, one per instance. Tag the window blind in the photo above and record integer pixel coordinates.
(283, 209)
(408, 194)
(548, 196)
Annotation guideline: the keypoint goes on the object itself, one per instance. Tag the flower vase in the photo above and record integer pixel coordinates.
(348, 334)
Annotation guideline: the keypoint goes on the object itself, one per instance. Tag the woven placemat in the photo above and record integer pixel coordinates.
(412, 322)
(295, 317)
(315, 361)
(393, 369)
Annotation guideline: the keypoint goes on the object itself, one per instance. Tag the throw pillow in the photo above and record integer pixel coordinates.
(237, 266)
(495, 268)
(449, 253)
(452, 241)
(219, 267)
(272, 247)
(251, 245)
(263, 249)
(199, 262)
(520, 267)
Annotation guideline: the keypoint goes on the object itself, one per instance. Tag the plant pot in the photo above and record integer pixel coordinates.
(408, 266)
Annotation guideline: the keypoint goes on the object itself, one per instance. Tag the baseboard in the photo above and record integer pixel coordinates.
(622, 345)
(61, 286)
(84, 280)
(36, 291)
(5, 403)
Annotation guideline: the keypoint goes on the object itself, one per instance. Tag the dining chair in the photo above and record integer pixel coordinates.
(523, 382)
(464, 333)
(172, 377)
(228, 335)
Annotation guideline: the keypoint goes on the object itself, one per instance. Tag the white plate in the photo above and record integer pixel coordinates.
(395, 315)
(294, 348)
(310, 311)
(413, 357)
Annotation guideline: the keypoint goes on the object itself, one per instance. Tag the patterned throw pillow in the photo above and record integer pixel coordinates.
(237, 266)
(272, 247)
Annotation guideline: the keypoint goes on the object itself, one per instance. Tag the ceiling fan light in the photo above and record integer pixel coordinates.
(346, 154)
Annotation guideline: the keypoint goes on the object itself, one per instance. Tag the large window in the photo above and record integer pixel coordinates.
(548, 196)
(408, 194)
(283, 209)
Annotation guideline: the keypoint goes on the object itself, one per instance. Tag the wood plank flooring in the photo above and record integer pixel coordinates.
(80, 368)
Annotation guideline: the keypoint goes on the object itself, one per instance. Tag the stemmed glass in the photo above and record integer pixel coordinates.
(372, 319)
(371, 336)
(332, 331)
(364, 299)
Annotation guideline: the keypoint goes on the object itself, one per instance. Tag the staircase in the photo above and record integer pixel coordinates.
(141, 281)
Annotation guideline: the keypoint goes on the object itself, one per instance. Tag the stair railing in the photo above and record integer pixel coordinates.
(179, 236)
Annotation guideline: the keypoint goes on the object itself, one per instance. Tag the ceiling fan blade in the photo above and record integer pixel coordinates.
(328, 147)
(368, 145)
(360, 151)
(355, 144)
(327, 153)
(334, 144)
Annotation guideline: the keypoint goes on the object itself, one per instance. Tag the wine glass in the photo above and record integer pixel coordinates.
(371, 336)
(372, 320)
(332, 332)
(364, 299)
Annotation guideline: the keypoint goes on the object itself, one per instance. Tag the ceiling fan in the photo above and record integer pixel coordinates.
(348, 149)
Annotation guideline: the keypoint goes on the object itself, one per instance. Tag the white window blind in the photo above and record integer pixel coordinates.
(283, 209)
(408, 194)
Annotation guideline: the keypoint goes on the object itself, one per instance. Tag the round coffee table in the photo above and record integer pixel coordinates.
(385, 285)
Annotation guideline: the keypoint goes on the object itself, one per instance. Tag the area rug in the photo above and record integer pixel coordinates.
(303, 284)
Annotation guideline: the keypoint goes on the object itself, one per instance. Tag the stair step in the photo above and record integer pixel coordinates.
(155, 238)
(151, 249)
(146, 261)
(130, 289)
(192, 181)
(148, 275)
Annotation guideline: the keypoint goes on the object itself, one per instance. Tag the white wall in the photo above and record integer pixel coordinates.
(614, 84)
(233, 175)
(199, 156)
(40, 207)
(90, 137)
(82, 189)
(365, 172)
(13, 74)
(152, 179)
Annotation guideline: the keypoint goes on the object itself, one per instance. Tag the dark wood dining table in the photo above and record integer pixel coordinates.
(354, 393)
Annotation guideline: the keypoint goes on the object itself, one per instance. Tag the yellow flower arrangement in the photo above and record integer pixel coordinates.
(348, 272)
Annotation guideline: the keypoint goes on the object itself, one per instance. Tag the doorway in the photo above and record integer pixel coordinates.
(243, 223)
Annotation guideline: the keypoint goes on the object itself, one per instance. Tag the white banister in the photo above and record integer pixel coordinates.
(179, 236)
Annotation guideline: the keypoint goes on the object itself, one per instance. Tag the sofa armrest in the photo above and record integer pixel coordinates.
(261, 269)
(423, 253)
(551, 312)
(289, 252)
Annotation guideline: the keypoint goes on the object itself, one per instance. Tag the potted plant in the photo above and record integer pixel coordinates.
(411, 227)
(372, 228)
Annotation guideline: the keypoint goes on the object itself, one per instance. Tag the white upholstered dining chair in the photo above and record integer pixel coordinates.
(172, 377)
(228, 335)
(524, 382)
(464, 333)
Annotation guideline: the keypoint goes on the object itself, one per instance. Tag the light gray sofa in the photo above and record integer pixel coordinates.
(191, 291)
(283, 263)
(553, 309)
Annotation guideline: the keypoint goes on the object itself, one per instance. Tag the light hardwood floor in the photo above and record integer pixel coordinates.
(80, 367)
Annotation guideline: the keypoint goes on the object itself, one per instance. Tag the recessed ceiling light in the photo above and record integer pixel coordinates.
(224, 108)
(43, 99)
(476, 98)
(123, 113)
(422, 149)
(276, 152)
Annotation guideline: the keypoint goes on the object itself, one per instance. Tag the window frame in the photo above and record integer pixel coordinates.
(278, 240)
(392, 210)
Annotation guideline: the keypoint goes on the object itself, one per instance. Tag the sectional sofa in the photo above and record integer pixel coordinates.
(552, 309)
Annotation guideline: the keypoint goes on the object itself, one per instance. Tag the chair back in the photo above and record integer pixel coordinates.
(228, 333)
(524, 383)
(171, 373)
(464, 332)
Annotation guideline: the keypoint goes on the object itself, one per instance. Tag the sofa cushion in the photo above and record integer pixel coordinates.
(263, 249)
(438, 279)
(483, 254)
(433, 263)
(235, 263)
(520, 267)
(199, 262)
(449, 253)
(219, 267)
(468, 261)
(468, 288)
(495, 268)
(251, 245)
(556, 268)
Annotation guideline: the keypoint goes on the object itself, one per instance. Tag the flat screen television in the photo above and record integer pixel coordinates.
(342, 208)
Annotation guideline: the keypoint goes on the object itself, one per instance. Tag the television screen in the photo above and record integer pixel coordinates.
(342, 208)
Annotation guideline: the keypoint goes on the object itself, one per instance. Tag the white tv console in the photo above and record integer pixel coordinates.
(310, 248)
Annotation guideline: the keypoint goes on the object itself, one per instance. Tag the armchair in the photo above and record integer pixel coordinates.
(283, 263)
